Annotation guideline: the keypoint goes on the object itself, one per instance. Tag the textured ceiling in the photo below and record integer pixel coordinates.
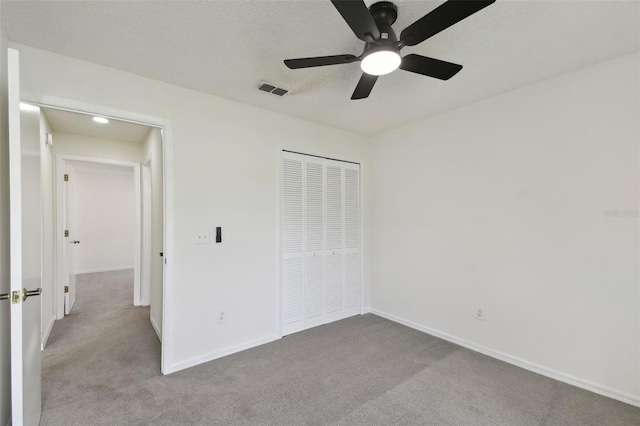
(82, 124)
(226, 47)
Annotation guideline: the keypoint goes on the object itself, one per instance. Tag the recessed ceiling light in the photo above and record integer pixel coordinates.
(28, 107)
(100, 120)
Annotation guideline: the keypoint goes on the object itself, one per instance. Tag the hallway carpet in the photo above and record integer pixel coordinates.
(102, 367)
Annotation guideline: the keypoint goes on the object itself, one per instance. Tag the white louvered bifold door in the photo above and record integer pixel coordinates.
(352, 278)
(320, 241)
(314, 242)
(292, 221)
(335, 238)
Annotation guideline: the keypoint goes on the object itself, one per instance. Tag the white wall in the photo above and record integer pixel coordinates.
(225, 168)
(85, 146)
(5, 367)
(153, 155)
(104, 215)
(503, 204)
(507, 210)
(48, 228)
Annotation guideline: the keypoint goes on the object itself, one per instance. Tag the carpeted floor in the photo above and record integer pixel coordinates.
(102, 367)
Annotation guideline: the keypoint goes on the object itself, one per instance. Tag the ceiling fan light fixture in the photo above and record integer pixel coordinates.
(381, 62)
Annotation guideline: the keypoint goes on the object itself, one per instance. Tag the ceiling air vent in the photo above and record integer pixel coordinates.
(271, 88)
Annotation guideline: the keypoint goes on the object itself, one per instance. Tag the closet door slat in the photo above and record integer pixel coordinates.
(352, 267)
(335, 236)
(292, 275)
(352, 207)
(292, 219)
(314, 187)
(314, 241)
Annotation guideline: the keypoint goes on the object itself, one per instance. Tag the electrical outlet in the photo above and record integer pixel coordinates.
(203, 237)
(222, 317)
(480, 313)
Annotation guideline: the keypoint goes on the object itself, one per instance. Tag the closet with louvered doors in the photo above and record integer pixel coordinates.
(320, 241)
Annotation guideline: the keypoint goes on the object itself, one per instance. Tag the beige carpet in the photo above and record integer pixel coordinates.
(102, 368)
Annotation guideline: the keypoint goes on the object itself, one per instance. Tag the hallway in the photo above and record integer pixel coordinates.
(103, 346)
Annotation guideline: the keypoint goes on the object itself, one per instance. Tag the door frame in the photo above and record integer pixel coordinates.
(146, 231)
(166, 129)
(61, 162)
(364, 302)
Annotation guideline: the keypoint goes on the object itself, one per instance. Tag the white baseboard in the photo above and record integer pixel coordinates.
(219, 354)
(154, 324)
(47, 332)
(557, 375)
(93, 271)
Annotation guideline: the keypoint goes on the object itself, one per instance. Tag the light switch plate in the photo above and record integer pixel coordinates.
(203, 237)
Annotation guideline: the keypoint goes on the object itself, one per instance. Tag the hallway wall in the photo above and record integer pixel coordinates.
(87, 146)
(105, 218)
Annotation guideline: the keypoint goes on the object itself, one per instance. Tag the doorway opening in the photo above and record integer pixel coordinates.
(99, 223)
(108, 190)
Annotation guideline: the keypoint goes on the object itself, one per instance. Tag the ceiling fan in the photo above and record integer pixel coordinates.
(381, 53)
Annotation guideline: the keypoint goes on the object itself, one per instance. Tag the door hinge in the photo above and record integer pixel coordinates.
(66, 232)
(16, 297)
(66, 289)
(66, 177)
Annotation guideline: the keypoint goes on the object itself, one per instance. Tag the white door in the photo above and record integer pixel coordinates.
(70, 240)
(314, 288)
(320, 241)
(334, 239)
(352, 279)
(292, 244)
(25, 250)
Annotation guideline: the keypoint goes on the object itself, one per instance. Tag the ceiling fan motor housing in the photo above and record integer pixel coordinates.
(384, 14)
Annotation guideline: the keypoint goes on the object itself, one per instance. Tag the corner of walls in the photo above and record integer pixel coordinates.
(5, 366)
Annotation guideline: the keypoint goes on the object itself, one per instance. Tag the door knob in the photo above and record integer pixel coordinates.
(26, 293)
(16, 295)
